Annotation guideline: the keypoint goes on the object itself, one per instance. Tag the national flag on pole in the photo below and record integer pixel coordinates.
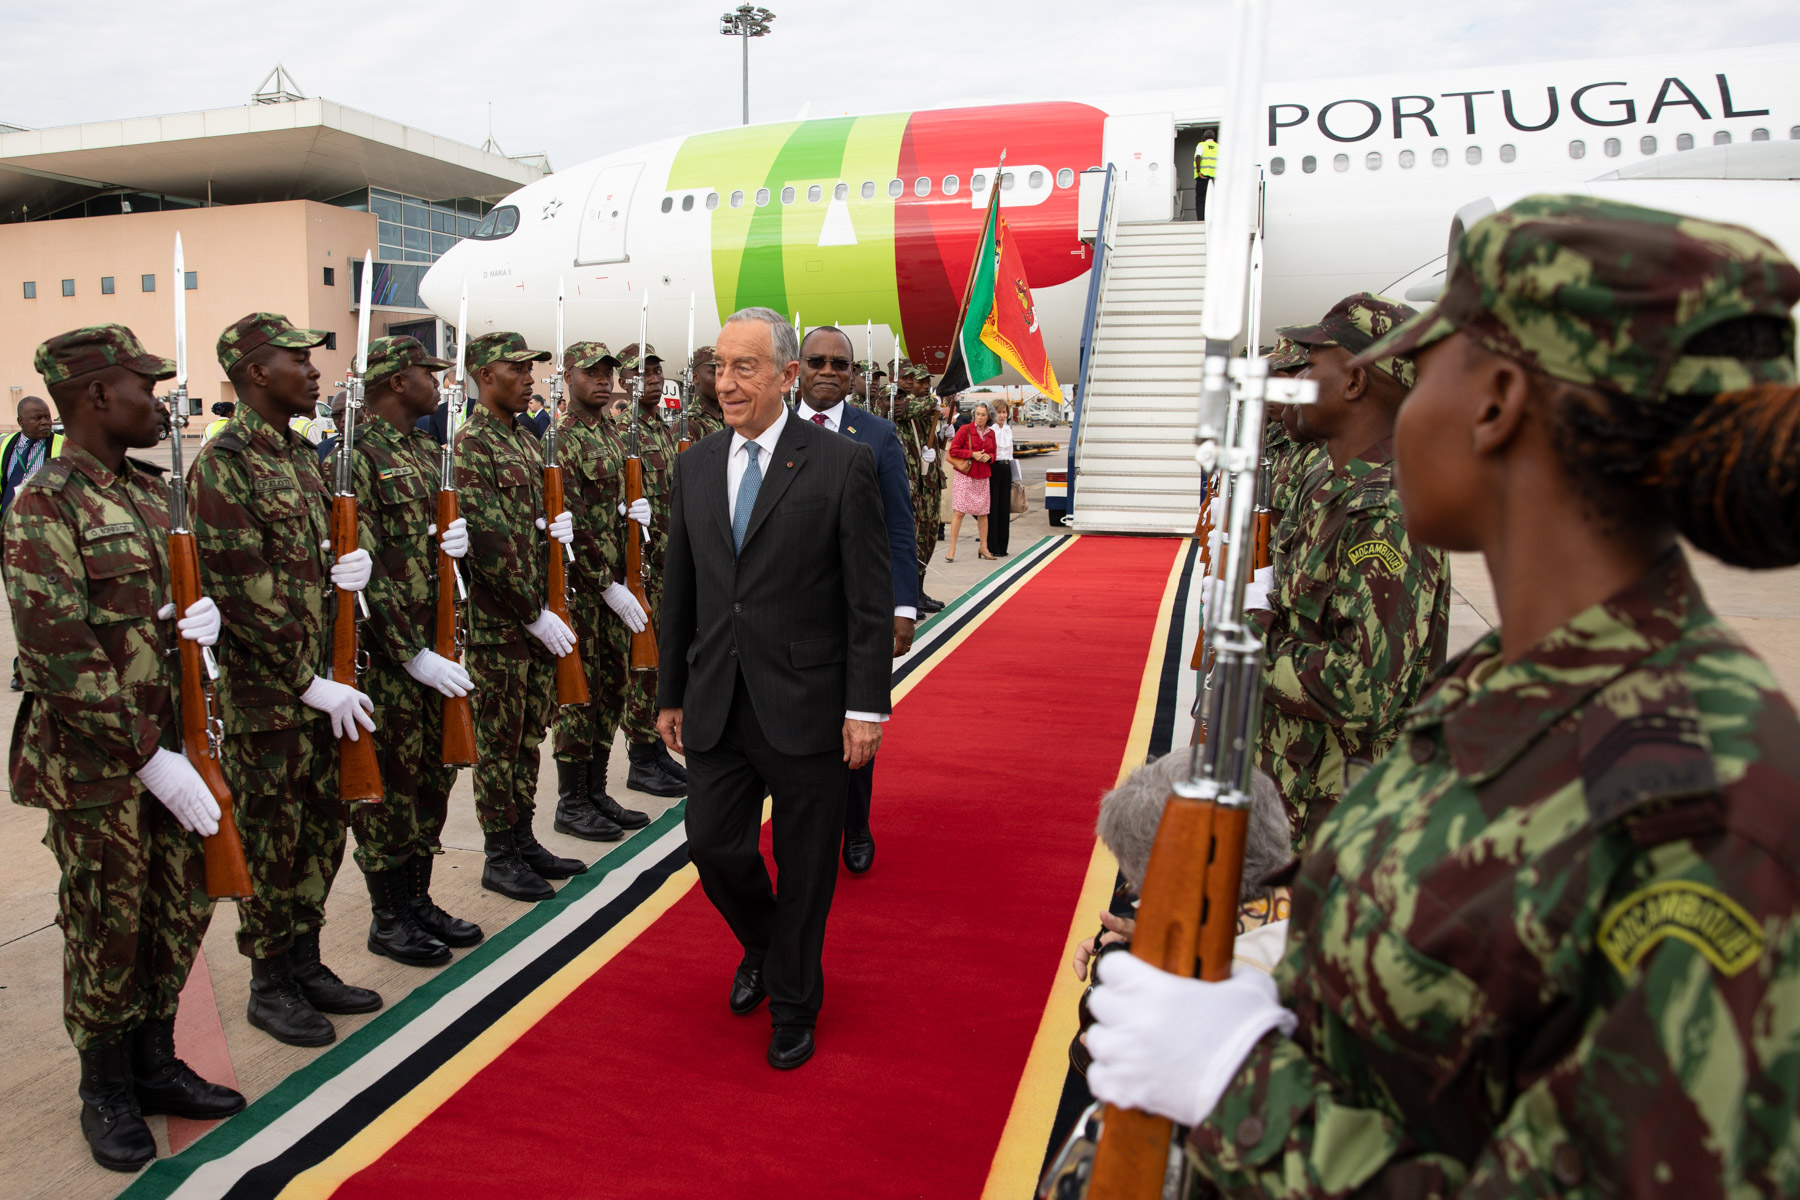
(999, 320)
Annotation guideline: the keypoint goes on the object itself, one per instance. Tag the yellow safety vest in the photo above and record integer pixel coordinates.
(1206, 159)
(212, 430)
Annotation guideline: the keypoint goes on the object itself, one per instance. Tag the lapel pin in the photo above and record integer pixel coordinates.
(790, 462)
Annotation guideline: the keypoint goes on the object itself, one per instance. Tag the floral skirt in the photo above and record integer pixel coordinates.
(969, 495)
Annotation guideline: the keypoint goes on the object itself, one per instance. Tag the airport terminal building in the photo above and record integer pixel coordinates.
(276, 203)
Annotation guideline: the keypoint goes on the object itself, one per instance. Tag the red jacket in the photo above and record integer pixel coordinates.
(970, 439)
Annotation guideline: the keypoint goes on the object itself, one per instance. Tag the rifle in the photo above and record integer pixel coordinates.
(682, 441)
(643, 642)
(458, 718)
(227, 874)
(359, 775)
(571, 680)
(1261, 552)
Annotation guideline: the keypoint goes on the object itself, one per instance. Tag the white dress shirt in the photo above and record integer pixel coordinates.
(1003, 442)
(738, 461)
(834, 421)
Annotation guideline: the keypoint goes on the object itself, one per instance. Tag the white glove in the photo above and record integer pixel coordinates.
(1171, 1046)
(455, 541)
(928, 455)
(562, 529)
(549, 629)
(346, 706)
(433, 670)
(172, 779)
(639, 512)
(351, 571)
(201, 624)
(618, 597)
(1256, 592)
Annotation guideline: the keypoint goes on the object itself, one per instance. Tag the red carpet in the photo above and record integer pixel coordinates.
(937, 963)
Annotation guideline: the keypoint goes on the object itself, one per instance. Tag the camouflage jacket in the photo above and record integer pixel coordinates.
(1360, 615)
(396, 481)
(262, 517)
(912, 443)
(656, 445)
(702, 423)
(87, 566)
(500, 484)
(1551, 945)
(592, 454)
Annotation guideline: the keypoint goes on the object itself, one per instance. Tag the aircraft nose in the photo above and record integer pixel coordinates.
(441, 289)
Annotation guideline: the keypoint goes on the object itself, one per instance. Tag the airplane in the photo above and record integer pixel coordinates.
(873, 219)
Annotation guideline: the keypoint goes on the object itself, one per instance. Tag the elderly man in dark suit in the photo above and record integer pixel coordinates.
(776, 645)
(827, 373)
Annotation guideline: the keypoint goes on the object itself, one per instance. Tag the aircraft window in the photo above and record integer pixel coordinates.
(1340, 162)
(978, 181)
(762, 197)
(1684, 141)
(1406, 159)
(712, 201)
(1472, 156)
(1036, 179)
(498, 223)
(1507, 153)
(896, 188)
(1794, 133)
(1759, 135)
(1309, 164)
(1577, 149)
(1439, 156)
(668, 203)
(841, 192)
(1277, 165)
(1647, 144)
(952, 185)
(687, 204)
(814, 194)
(1722, 137)
(868, 189)
(787, 195)
(1373, 161)
(1065, 177)
(921, 186)
(1611, 147)
(1006, 181)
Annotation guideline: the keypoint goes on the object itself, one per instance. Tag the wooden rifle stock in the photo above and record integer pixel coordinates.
(359, 776)
(227, 874)
(643, 643)
(1261, 554)
(459, 720)
(1204, 531)
(571, 681)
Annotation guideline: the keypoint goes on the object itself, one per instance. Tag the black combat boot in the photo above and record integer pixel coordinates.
(320, 984)
(394, 929)
(647, 774)
(279, 1009)
(574, 815)
(452, 931)
(546, 864)
(164, 1084)
(612, 810)
(110, 1119)
(507, 873)
(668, 763)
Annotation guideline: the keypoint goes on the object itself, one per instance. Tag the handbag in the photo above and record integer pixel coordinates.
(1019, 505)
(962, 466)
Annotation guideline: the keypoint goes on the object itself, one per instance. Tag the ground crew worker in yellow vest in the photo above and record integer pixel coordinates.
(224, 409)
(1206, 169)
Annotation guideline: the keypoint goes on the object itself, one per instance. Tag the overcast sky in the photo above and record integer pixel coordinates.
(576, 80)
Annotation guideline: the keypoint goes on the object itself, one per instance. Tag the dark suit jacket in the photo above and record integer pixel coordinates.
(879, 435)
(805, 611)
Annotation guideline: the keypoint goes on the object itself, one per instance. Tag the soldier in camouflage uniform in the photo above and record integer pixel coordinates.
(653, 769)
(704, 414)
(95, 743)
(514, 639)
(916, 413)
(396, 471)
(603, 611)
(262, 522)
(1548, 947)
(1359, 613)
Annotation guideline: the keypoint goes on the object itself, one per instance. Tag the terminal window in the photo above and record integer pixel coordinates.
(31, 289)
(330, 277)
(106, 285)
(68, 287)
(147, 283)
(191, 281)
(413, 229)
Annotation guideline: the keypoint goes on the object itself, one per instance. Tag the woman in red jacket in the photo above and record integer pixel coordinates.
(971, 456)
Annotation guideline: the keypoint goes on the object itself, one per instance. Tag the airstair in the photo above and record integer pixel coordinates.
(1132, 464)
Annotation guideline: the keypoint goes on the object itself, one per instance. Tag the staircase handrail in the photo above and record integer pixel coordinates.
(1090, 320)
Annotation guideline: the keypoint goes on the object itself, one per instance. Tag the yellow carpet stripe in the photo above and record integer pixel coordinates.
(1020, 1156)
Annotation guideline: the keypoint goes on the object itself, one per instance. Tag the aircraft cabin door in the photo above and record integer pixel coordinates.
(603, 218)
(1142, 146)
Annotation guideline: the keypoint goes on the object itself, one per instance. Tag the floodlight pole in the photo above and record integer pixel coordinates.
(746, 21)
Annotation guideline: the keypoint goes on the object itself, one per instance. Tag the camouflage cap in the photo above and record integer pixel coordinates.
(628, 357)
(500, 347)
(94, 348)
(588, 354)
(1606, 295)
(1355, 323)
(861, 367)
(388, 356)
(915, 371)
(263, 329)
(704, 354)
(1286, 357)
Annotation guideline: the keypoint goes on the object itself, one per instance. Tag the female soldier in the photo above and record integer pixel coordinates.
(1551, 943)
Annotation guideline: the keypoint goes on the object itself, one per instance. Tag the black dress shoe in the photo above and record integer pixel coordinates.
(747, 990)
(859, 851)
(790, 1046)
(929, 605)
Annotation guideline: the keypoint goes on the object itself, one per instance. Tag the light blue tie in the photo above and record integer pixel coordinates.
(746, 497)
